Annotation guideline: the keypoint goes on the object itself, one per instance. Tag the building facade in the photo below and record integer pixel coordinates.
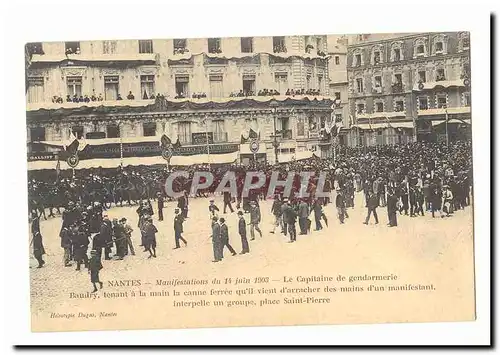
(403, 88)
(337, 68)
(183, 88)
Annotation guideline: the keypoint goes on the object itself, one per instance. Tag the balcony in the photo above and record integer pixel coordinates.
(185, 139)
(140, 58)
(220, 137)
(284, 133)
(69, 105)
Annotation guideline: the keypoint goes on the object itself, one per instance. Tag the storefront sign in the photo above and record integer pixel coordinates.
(35, 156)
(201, 138)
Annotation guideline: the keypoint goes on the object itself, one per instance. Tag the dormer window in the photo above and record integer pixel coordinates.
(180, 46)
(439, 47)
(465, 43)
(376, 57)
(420, 49)
(214, 45)
(72, 47)
(397, 54)
(357, 60)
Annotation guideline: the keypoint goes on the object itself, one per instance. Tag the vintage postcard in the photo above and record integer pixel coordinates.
(250, 181)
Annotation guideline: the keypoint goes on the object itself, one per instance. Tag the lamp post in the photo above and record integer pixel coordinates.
(274, 105)
(446, 123)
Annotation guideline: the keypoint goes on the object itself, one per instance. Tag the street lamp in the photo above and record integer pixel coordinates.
(274, 107)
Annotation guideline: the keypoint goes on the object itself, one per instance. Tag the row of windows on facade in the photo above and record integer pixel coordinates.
(397, 83)
(218, 132)
(423, 104)
(180, 46)
(149, 129)
(396, 55)
(74, 87)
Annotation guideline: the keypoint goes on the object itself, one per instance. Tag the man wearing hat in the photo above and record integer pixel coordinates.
(303, 217)
(127, 230)
(242, 229)
(284, 206)
(95, 266)
(106, 235)
(254, 219)
(149, 232)
(213, 209)
(227, 201)
(392, 207)
(38, 249)
(66, 244)
(341, 206)
(289, 219)
(276, 212)
(160, 206)
(224, 235)
(216, 240)
(447, 200)
(178, 228)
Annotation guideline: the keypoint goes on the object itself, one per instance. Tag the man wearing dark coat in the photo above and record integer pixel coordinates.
(182, 205)
(149, 232)
(318, 212)
(38, 249)
(224, 235)
(119, 238)
(242, 229)
(81, 242)
(95, 266)
(106, 237)
(303, 214)
(254, 219)
(227, 202)
(178, 228)
(290, 218)
(160, 206)
(372, 205)
(392, 207)
(216, 240)
(66, 245)
(340, 204)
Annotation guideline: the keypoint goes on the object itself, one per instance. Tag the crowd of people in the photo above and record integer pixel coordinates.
(311, 92)
(181, 95)
(411, 180)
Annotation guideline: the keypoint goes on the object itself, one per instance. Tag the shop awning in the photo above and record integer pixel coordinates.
(442, 111)
(285, 158)
(73, 105)
(452, 121)
(381, 125)
(115, 162)
(245, 148)
(444, 83)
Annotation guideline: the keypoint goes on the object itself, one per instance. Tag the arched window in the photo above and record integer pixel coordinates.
(420, 48)
(357, 58)
(377, 55)
(463, 41)
(397, 52)
(439, 44)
